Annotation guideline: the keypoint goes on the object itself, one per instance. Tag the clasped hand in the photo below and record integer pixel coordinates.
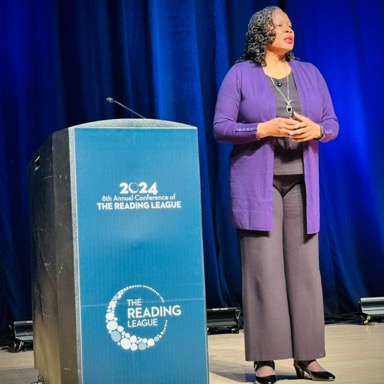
(298, 129)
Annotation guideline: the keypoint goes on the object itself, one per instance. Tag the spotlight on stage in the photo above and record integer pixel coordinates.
(371, 308)
(40, 380)
(221, 320)
(21, 336)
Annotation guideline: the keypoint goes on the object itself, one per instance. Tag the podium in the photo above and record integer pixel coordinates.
(118, 279)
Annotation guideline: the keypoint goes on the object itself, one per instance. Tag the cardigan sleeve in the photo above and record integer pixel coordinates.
(227, 125)
(329, 120)
(315, 98)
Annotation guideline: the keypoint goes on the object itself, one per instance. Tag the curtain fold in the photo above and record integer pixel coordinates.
(166, 59)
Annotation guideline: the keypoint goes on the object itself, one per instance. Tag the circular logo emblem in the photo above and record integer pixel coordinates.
(143, 315)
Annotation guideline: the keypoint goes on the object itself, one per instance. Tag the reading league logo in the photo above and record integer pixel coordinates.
(137, 317)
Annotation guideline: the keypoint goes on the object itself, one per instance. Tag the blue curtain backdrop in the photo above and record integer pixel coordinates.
(166, 59)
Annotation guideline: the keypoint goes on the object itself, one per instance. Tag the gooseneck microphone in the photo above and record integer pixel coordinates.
(110, 100)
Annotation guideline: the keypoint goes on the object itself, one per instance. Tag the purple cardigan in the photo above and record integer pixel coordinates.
(246, 99)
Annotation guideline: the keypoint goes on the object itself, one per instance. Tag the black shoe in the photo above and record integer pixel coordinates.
(315, 376)
(271, 379)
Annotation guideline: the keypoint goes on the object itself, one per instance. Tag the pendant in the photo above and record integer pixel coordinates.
(289, 108)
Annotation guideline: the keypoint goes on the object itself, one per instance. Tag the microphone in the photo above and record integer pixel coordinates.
(278, 83)
(110, 100)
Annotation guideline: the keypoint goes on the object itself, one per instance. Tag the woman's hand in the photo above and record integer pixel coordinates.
(305, 129)
(277, 127)
(298, 129)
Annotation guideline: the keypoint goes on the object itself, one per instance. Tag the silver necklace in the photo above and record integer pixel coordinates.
(288, 106)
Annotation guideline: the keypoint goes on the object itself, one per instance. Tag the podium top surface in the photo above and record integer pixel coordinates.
(132, 123)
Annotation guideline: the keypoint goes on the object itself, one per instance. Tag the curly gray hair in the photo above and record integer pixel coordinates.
(261, 31)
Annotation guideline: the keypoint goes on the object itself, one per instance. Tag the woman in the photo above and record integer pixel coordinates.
(275, 110)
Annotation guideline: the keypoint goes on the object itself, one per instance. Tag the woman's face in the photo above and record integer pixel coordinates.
(285, 36)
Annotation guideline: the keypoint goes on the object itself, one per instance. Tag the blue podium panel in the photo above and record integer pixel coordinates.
(140, 285)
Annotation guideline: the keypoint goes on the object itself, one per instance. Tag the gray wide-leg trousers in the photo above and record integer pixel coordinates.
(282, 292)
